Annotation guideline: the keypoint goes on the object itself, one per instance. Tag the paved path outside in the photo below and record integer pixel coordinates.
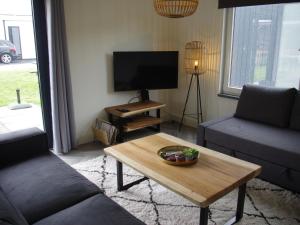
(12, 120)
(28, 64)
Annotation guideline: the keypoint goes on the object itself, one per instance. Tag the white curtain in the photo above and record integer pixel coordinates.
(61, 93)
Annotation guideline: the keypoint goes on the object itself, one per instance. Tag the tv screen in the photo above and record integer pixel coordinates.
(145, 70)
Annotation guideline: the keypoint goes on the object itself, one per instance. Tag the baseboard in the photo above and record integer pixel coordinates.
(190, 122)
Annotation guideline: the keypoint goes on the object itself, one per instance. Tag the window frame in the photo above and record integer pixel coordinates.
(226, 56)
(226, 53)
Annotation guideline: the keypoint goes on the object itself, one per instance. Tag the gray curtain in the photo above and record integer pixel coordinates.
(61, 93)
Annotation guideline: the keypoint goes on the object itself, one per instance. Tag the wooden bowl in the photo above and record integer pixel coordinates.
(174, 149)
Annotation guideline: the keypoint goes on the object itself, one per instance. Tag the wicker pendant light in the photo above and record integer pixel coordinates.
(175, 8)
(194, 58)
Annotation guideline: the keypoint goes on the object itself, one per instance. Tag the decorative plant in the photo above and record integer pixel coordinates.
(190, 153)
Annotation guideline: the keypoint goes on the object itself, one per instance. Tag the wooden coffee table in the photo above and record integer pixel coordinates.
(203, 183)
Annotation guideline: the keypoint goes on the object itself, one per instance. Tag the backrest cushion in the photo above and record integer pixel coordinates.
(20, 145)
(8, 213)
(266, 105)
(295, 117)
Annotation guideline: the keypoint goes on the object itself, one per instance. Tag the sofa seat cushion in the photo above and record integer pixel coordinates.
(9, 214)
(44, 185)
(97, 210)
(273, 144)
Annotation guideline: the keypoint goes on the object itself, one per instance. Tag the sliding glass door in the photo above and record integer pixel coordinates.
(20, 101)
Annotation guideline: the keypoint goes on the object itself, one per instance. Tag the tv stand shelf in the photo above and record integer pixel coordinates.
(141, 122)
(134, 116)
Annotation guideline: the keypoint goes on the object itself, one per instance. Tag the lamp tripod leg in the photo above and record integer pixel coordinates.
(186, 101)
(198, 120)
(200, 101)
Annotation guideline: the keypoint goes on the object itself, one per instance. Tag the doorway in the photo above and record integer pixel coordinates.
(20, 101)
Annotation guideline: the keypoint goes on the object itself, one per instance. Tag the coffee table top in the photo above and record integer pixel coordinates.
(212, 177)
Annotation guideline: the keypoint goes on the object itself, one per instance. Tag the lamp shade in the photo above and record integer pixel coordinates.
(175, 8)
(194, 57)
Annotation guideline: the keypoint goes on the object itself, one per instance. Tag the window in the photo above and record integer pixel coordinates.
(262, 47)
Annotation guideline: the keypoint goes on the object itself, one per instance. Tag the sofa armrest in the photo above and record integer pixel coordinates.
(23, 144)
(203, 126)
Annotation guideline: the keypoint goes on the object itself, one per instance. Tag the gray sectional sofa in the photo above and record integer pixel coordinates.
(36, 187)
(264, 130)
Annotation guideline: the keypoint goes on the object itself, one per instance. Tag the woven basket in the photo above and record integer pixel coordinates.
(175, 8)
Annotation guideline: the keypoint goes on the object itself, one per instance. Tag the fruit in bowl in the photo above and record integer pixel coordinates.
(179, 155)
(171, 158)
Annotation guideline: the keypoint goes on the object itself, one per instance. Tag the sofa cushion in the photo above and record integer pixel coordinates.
(97, 210)
(273, 144)
(203, 126)
(8, 213)
(44, 185)
(267, 105)
(295, 117)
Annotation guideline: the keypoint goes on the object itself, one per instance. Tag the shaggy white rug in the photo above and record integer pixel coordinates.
(155, 205)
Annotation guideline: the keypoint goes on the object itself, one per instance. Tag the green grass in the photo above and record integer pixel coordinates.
(26, 81)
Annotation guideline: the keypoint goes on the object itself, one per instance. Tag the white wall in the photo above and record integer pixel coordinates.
(96, 28)
(205, 25)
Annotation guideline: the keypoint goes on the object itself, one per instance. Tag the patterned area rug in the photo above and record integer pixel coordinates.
(265, 204)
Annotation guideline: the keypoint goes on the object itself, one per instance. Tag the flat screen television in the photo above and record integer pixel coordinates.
(145, 70)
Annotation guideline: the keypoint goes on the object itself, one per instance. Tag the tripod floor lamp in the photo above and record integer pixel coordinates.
(194, 66)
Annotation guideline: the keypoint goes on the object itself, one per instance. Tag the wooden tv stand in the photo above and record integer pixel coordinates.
(134, 116)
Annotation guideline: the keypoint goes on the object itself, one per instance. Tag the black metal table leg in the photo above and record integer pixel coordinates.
(119, 123)
(158, 116)
(241, 201)
(120, 136)
(121, 186)
(119, 176)
(239, 209)
(204, 216)
(240, 205)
